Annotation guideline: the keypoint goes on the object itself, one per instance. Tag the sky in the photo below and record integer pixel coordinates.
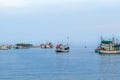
(40, 21)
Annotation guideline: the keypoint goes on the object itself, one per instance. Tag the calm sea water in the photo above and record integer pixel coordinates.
(46, 64)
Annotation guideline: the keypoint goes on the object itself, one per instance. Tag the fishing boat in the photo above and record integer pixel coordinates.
(62, 48)
(42, 45)
(4, 47)
(48, 45)
(108, 47)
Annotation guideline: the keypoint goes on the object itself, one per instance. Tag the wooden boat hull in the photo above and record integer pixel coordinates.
(109, 52)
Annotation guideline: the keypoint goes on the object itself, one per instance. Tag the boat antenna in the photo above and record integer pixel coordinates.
(67, 40)
(117, 41)
(113, 38)
(101, 38)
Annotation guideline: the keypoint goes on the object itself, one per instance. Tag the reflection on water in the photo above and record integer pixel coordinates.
(44, 64)
(109, 67)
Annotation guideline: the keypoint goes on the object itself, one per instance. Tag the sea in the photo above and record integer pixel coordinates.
(45, 64)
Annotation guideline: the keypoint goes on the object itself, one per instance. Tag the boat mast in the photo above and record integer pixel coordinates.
(67, 40)
(101, 38)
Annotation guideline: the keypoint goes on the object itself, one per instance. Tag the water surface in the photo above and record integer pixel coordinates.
(46, 64)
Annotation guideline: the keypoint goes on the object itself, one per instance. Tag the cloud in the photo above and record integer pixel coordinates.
(109, 1)
(11, 6)
(80, 2)
(12, 3)
(21, 3)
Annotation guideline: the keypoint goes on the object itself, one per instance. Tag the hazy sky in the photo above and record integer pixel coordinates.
(36, 21)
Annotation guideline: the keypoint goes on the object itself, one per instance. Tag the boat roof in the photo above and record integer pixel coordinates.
(106, 42)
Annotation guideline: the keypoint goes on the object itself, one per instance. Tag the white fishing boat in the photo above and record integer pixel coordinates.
(108, 47)
(62, 48)
(4, 47)
(42, 45)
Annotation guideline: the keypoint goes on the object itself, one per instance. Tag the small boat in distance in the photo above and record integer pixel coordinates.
(48, 45)
(4, 47)
(23, 46)
(62, 48)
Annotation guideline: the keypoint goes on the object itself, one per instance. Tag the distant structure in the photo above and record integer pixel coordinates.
(23, 46)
